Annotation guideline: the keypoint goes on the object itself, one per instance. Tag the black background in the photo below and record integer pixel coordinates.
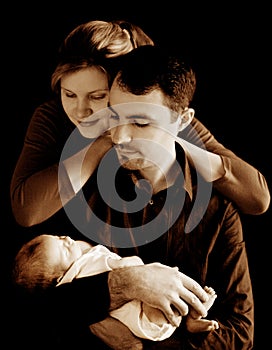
(229, 46)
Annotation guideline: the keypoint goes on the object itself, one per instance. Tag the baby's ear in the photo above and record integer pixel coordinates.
(186, 118)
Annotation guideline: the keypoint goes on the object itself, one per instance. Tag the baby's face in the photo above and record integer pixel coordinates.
(62, 250)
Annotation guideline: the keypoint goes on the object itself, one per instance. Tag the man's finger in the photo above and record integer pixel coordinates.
(194, 287)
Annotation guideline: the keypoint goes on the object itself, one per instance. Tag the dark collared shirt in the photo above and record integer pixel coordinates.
(191, 226)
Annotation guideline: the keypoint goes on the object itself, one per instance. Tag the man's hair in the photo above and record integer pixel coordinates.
(148, 68)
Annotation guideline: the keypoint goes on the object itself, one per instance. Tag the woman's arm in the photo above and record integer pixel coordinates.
(34, 184)
(231, 175)
(39, 177)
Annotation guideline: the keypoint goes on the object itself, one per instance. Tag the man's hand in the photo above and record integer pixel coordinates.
(160, 286)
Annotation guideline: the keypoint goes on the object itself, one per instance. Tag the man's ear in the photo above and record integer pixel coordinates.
(185, 118)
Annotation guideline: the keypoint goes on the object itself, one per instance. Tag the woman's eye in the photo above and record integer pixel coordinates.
(69, 95)
(98, 97)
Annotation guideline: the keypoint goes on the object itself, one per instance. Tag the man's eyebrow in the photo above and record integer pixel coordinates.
(138, 116)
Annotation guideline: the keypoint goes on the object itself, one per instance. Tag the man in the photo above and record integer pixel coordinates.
(145, 199)
(154, 211)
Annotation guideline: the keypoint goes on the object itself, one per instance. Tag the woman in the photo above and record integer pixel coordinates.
(81, 89)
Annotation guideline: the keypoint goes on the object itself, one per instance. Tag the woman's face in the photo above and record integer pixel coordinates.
(83, 94)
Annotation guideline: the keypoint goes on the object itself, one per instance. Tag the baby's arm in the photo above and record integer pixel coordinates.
(195, 323)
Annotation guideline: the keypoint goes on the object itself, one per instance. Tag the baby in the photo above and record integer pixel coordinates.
(49, 260)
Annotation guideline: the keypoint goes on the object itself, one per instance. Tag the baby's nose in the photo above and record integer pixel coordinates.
(68, 240)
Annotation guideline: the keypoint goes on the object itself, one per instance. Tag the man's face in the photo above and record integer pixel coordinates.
(142, 129)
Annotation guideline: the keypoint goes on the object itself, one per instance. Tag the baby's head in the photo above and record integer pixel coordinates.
(43, 260)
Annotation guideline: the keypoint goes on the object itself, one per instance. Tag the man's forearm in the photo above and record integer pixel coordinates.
(119, 284)
(159, 286)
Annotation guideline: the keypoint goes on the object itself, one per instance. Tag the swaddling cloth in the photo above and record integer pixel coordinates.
(144, 321)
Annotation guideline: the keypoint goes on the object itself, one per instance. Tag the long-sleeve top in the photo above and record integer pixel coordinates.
(35, 184)
(212, 251)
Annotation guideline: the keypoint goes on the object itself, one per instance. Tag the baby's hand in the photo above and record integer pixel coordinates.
(200, 325)
(195, 323)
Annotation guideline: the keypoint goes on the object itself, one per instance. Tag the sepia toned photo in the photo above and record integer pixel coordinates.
(137, 185)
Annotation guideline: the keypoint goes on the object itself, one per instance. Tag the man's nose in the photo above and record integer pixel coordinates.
(121, 134)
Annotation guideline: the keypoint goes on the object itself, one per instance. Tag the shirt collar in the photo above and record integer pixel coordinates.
(183, 161)
(180, 168)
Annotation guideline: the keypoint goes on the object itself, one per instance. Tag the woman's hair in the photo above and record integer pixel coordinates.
(91, 43)
(32, 269)
(136, 35)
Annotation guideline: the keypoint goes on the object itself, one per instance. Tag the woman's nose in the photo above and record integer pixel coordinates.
(84, 110)
(82, 115)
